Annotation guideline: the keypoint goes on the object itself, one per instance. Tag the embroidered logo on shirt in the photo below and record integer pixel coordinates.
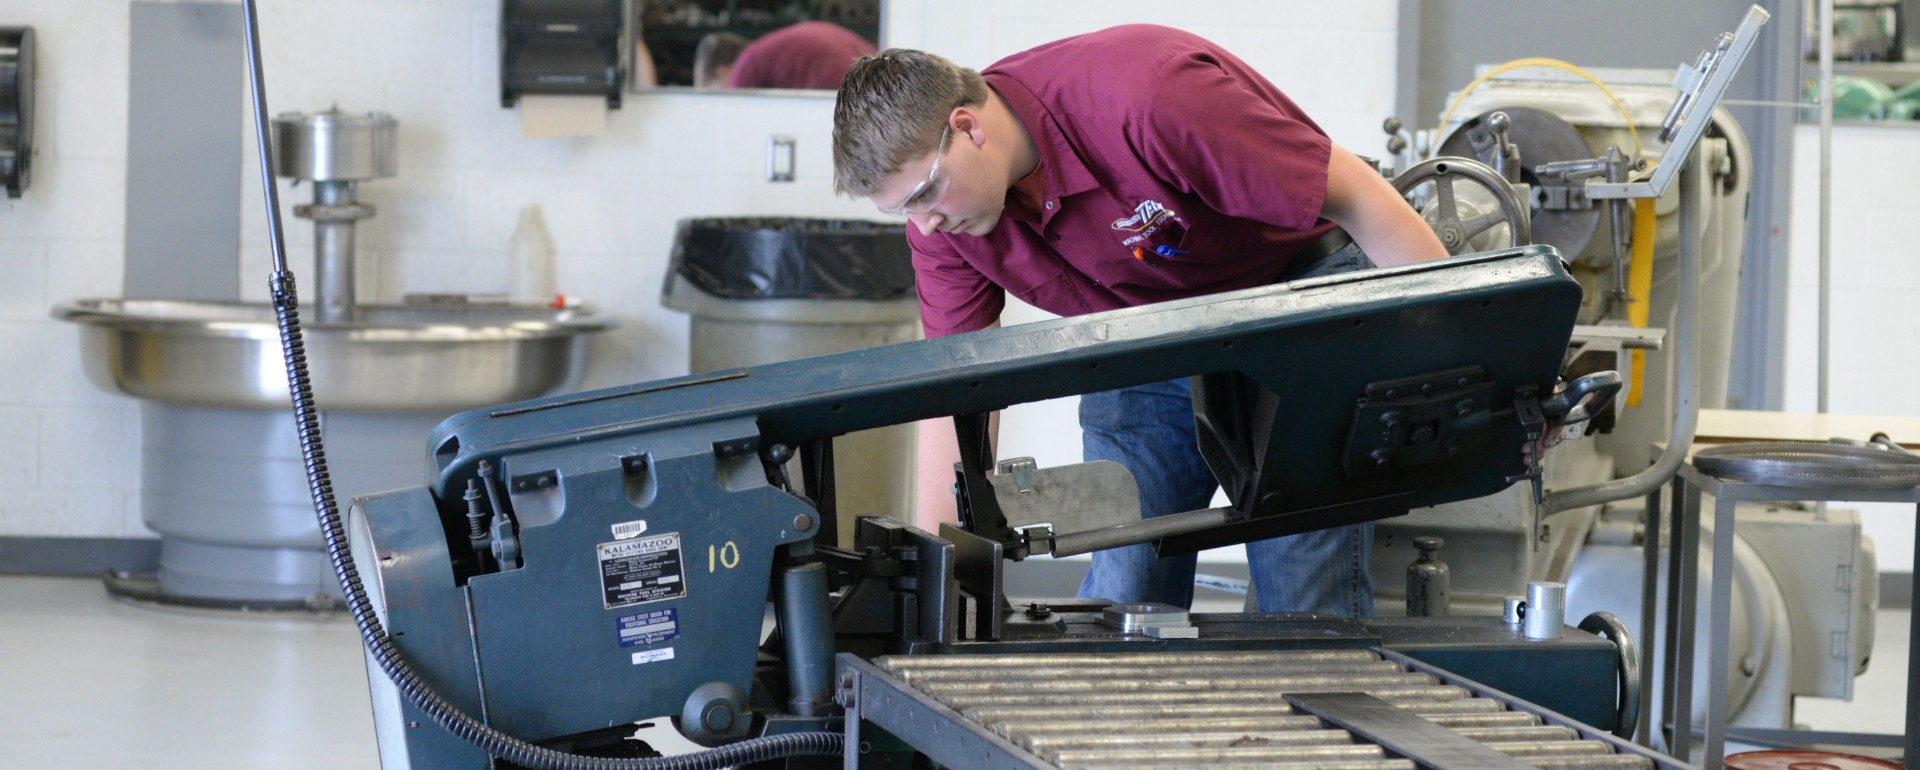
(1145, 215)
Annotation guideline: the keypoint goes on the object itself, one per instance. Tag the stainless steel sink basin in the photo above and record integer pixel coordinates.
(390, 359)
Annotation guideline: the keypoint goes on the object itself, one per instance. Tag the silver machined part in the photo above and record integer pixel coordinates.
(1172, 631)
(1514, 610)
(1135, 618)
(1546, 610)
(335, 146)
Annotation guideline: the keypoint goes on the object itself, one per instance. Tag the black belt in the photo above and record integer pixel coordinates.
(1323, 246)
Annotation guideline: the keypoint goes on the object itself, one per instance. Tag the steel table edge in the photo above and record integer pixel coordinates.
(915, 718)
(1586, 731)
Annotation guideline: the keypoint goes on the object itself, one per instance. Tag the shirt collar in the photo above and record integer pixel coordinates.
(1062, 171)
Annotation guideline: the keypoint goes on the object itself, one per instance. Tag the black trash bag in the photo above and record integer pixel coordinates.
(784, 258)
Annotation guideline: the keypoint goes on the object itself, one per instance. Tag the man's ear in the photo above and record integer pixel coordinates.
(967, 122)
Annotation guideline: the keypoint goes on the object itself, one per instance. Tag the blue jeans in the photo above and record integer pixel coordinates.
(1149, 430)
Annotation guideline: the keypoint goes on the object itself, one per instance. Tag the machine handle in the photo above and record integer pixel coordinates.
(1627, 714)
(1582, 399)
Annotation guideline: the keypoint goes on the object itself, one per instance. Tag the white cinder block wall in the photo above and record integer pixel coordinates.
(69, 464)
(68, 459)
(1872, 363)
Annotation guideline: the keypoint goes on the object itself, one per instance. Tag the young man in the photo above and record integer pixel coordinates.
(1133, 165)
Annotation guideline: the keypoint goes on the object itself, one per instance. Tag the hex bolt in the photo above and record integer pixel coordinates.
(1381, 457)
(1390, 419)
(1464, 407)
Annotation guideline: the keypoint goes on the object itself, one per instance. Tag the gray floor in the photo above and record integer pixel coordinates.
(94, 683)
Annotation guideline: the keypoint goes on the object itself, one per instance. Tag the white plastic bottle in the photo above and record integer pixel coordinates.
(530, 260)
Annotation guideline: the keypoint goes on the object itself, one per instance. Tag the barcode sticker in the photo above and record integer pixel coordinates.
(651, 656)
(628, 529)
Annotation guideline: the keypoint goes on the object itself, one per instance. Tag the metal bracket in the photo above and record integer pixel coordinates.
(1419, 420)
(1021, 470)
(1701, 86)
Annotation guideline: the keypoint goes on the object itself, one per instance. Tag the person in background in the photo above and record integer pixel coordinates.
(809, 55)
(713, 58)
(1134, 165)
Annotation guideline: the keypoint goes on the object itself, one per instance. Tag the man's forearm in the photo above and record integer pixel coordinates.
(1373, 213)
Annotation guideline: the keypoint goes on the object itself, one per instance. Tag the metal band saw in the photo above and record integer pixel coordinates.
(580, 563)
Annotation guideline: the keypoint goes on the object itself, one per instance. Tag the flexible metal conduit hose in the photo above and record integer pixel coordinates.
(382, 649)
(1686, 378)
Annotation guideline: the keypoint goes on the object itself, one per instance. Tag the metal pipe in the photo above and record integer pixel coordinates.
(1043, 744)
(1194, 698)
(806, 626)
(276, 240)
(1095, 714)
(1597, 762)
(1826, 196)
(898, 663)
(1145, 672)
(1136, 532)
(1686, 378)
(1062, 728)
(333, 253)
(1518, 749)
(1013, 683)
(989, 714)
(1156, 756)
(1345, 764)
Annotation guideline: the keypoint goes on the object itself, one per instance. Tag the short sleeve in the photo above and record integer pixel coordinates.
(954, 296)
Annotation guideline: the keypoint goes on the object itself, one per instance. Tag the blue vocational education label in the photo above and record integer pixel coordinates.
(652, 627)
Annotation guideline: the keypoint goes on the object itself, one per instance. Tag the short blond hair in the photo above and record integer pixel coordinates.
(891, 109)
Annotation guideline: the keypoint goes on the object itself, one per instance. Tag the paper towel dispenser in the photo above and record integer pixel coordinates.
(16, 108)
(567, 47)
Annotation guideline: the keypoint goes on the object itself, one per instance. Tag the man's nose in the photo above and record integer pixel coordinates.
(928, 222)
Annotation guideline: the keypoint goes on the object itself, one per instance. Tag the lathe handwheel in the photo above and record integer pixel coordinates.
(1626, 717)
(1454, 232)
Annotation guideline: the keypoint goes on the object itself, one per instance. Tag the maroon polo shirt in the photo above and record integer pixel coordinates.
(1168, 168)
(811, 54)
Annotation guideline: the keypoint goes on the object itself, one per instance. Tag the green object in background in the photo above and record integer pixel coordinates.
(1905, 103)
(1857, 98)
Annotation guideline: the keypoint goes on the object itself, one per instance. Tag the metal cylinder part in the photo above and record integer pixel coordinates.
(1514, 610)
(333, 253)
(1546, 610)
(807, 628)
(1427, 580)
(335, 146)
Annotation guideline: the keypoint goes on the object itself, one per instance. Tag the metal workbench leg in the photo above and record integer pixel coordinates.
(1649, 593)
(1719, 632)
(1683, 601)
(1913, 662)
